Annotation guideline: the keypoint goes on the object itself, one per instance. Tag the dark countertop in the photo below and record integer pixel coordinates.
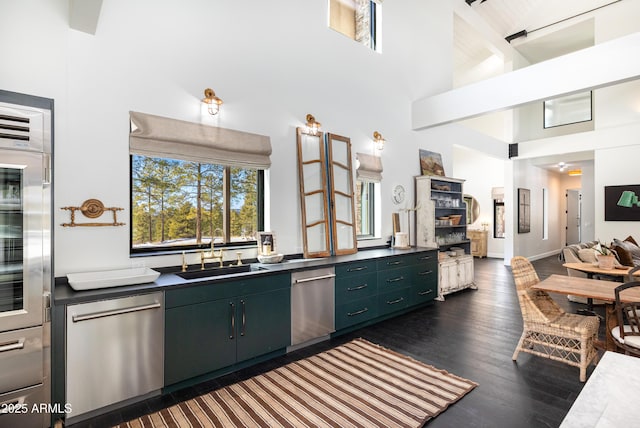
(64, 294)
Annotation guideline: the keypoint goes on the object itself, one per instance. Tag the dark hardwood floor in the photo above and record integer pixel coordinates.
(472, 334)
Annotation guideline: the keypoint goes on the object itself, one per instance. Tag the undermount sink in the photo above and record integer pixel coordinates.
(217, 271)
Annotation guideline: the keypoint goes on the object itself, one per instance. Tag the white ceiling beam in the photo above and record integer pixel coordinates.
(84, 15)
(605, 64)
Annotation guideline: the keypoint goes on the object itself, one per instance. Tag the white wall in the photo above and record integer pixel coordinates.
(613, 167)
(270, 68)
(481, 173)
(534, 178)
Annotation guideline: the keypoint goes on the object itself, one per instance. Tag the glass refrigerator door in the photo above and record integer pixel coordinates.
(21, 241)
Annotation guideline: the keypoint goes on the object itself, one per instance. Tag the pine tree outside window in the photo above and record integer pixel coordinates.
(178, 205)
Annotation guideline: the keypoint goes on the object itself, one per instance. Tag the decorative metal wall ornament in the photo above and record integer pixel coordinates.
(92, 208)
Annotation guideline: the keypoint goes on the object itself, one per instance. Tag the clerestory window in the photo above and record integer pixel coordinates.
(357, 19)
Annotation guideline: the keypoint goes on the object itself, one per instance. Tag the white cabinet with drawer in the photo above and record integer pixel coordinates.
(456, 273)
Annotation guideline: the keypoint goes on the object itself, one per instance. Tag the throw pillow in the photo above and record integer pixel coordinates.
(630, 239)
(629, 246)
(587, 255)
(624, 256)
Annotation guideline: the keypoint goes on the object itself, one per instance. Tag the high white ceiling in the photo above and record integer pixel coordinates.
(508, 17)
(551, 32)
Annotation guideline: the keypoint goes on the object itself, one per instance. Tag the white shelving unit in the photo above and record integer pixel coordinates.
(438, 197)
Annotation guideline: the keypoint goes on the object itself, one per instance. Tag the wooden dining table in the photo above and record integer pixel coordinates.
(590, 288)
(616, 274)
(590, 270)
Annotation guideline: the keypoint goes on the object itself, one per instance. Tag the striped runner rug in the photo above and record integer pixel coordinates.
(358, 384)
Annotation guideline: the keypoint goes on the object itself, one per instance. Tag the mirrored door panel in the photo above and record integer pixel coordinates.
(341, 195)
(313, 194)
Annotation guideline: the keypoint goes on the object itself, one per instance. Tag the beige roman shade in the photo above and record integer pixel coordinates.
(158, 136)
(370, 169)
(497, 193)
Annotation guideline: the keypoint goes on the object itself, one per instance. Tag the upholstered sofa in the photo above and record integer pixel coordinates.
(627, 253)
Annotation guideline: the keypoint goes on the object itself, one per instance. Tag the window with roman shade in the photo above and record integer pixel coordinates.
(194, 185)
(370, 168)
(177, 139)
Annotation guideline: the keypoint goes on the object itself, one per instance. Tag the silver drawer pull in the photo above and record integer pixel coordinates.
(360, 287)
(12, 346)
(426, 272)
(393, 302)
(357, 269)
(315, 278)
(425, 258)
(394, 263)
(424, 293)
(361, 311)
(400, 278)
(6, 407)
(78, 318)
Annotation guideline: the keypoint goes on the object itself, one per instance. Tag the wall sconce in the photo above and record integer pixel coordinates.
(213, 103)
(313, 126)
(378, 140)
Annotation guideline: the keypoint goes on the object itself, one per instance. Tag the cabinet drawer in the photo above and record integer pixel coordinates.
(355, 287)
(395, 262)
(21, 358)
(427, 273)
(428, 258)
(355, 268)
(393, 301)
(19, 401)
(422, 293)
(395, 278)
(225, 289)
(356, 312)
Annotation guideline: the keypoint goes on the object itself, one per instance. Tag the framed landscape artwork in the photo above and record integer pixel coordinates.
(524, 210)
(621, 203)
(431, 163)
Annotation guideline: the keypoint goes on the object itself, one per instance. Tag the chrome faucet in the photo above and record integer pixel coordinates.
(211, 255)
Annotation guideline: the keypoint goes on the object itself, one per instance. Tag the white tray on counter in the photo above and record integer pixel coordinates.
(111, 278)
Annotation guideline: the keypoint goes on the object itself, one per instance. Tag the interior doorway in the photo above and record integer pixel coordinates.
(574, 206)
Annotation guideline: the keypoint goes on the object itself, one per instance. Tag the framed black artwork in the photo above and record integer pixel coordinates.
(621, 203)
(524, 210)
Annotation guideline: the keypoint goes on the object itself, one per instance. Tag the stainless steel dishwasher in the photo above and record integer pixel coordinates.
(312, 305)
(115, 352)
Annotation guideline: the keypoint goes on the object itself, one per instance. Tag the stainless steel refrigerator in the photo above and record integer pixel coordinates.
(25, 259)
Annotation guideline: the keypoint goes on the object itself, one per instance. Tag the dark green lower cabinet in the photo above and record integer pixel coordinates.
(264, 323)
(204, 337)
(197, 340)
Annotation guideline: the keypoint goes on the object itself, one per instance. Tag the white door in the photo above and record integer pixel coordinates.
(573, 216)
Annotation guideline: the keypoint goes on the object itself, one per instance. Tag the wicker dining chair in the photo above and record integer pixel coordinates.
(626, 334)
(549, 331)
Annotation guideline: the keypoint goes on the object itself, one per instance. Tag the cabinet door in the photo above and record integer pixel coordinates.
(466, 271)
(198, 339)
(263, 323)
(448, 277)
